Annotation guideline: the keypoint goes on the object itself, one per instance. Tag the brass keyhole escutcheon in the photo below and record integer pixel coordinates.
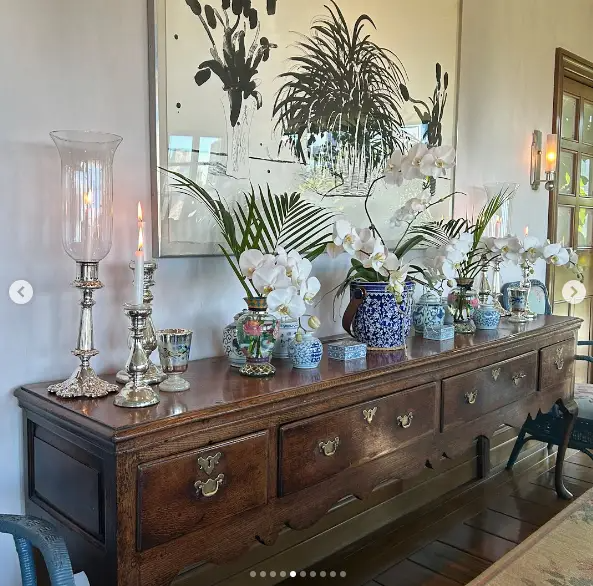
(210, 487)
(559, 362)
(517, 378)
(208, 463)
(368, 414)
(471, 396)
(330, 447)
(405, 421)
(495, 373)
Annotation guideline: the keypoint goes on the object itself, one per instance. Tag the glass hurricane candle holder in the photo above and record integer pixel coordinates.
(174, 348)
(87, 228)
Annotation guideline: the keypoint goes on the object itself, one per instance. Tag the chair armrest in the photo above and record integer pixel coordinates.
(585, 358)
(585, 343)
(45, 538)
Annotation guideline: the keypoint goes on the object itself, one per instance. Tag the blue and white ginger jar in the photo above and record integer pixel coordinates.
(428, 312)
(486, 317)
(288, 330)
(305, 351)
(381, 322)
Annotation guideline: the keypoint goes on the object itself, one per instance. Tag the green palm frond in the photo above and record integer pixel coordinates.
(263, 220)
(439, 233)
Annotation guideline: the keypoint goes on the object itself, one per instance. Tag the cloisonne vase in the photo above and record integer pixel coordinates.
(463, 301)
(381, 322)
(257, 332)
(428, 312)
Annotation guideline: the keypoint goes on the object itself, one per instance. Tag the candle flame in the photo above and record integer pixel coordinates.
(140, 212)
(140, 239)
(551, 156)
(526, 230)
(87, 198)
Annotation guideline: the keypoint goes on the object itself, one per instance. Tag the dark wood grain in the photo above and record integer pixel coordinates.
(502, 525)
(477, 543)
(492, 386)
(581, 459)
(449, 562)
(169, 504)
(412, 574)
(303, 462)
(147, 458)
(530, 512)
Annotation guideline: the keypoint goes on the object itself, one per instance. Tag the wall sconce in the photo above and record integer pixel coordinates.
(536, 160)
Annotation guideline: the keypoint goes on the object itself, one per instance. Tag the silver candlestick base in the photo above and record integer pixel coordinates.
(137, 393)
(154, 375)
(496, 289)
(84, 382)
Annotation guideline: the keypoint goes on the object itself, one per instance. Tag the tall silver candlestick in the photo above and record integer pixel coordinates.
(496, 288)
(154, 375)
(137, 393)
(84, 382)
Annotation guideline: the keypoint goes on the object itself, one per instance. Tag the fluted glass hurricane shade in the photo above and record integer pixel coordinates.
(500, 225)
(87, 192)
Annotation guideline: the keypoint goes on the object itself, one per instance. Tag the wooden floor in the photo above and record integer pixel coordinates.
(451, 542)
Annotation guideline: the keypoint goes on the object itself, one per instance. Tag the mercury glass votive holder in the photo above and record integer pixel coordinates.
(174, 346)
(518, 303)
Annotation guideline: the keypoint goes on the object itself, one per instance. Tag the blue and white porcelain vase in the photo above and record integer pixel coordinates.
(428, 312)
(486, 317)
(288, 330)
(305, 351)
(381, 322)
(231, 345)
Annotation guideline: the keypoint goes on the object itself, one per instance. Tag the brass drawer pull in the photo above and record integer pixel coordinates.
(517, 378)
(471, 397)
(495, 373)
(210, 487)
(405, 421)
(368, 414)
(559, 362)
(330, 447)
(208, 463)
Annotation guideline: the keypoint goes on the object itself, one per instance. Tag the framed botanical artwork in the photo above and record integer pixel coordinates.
(298, 96)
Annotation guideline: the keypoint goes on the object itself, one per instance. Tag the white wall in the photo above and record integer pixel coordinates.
(506, 91)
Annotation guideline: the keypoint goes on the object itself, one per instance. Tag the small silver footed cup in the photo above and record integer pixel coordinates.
(174, 346)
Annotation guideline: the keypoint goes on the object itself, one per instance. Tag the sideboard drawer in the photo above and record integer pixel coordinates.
(556, 364)
(474, 394)
(179, 494)
(314, 449)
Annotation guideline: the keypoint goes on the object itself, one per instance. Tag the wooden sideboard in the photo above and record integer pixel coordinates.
(141, 494)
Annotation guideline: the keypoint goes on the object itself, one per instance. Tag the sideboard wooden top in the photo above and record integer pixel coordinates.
(217, 388)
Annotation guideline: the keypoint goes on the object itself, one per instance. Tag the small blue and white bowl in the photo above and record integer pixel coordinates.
(486, 317)
(305, 351)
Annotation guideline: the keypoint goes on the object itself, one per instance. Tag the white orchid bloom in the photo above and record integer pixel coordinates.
(437, 160)
(556, 255)
(416, 205)
(449, 269)
(286, 302)
(393, 169)
(411, 163)
(397, 281)
(309, 289)
(300, 272)
(531, 249)
(464, 242)
(344, 232)
(573, 257)
(252, 260)
(377, 258)
(509, 248)
(268, 278)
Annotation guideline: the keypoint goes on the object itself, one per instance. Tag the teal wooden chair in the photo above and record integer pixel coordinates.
(30, 532)
(549, 427)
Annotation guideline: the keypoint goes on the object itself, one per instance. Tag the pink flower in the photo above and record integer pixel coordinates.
(252, 328)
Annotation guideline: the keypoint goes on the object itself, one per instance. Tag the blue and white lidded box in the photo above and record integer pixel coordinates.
(439, 332)
(346, 350)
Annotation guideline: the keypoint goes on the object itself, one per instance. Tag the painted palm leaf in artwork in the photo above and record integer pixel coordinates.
(345, 90)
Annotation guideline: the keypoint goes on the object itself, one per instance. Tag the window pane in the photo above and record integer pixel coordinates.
(569, 117)
(585, 238)
(560, 309)
(588, 123)
(566, 178)
(585, 188)
(564, 230)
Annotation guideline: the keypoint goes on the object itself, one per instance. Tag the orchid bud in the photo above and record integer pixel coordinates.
(314, 322)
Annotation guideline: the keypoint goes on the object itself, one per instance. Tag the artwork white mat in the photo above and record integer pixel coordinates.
(190, 123)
